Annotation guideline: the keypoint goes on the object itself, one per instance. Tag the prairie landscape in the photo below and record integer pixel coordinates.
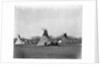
(54, 33)
(72, 51)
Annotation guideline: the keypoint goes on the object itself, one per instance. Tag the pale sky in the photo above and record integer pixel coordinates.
(29, 21)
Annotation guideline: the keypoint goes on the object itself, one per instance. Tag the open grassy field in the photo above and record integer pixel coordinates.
(72, 51)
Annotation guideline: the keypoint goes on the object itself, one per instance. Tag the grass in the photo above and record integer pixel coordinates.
(72, 51)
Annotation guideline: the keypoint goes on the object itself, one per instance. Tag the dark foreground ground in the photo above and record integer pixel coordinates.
(72, 51)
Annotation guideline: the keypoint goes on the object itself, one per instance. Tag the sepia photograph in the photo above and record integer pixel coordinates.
(48, 32)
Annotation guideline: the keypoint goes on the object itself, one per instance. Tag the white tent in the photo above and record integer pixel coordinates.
(43, 40)
(19, 41)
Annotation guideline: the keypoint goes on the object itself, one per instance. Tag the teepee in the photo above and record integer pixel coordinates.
(19, 40)
(64, 40)
(44, 39)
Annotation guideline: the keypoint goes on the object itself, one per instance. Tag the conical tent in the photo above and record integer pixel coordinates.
(44, 39)
(19, 41)
(64, 40)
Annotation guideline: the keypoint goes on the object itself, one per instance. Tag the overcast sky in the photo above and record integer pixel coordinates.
(29, 21)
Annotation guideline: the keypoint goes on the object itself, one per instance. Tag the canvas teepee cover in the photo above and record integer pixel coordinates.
(64, 40)
(19, 41)
(44, 39)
